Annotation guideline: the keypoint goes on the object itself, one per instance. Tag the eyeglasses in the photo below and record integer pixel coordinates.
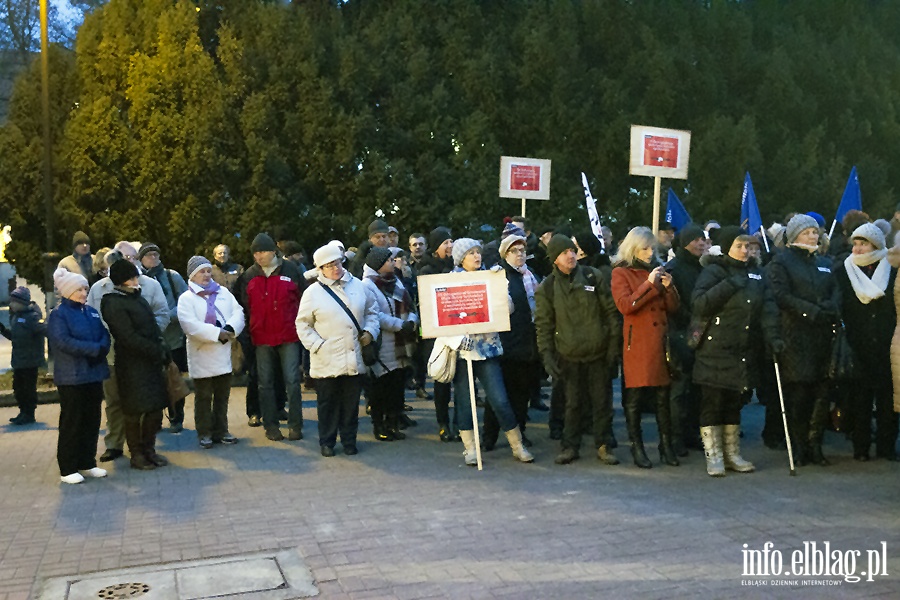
(519, 251)
(332, 265)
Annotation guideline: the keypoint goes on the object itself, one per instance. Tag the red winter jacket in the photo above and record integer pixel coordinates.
(272, 303)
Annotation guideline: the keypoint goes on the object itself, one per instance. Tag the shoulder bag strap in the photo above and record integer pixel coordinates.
(342, 305)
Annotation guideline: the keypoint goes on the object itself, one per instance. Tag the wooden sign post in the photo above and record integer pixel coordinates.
(454, 305)
(659, 153)
(525, 178)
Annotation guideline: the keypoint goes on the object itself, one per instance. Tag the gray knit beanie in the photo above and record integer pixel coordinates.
(797, 224)
(461, 247)
(196, 263)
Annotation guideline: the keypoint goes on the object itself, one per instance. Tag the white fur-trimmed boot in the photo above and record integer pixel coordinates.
(514, 437)
(732, 442)
(712, 445)
(468, 439)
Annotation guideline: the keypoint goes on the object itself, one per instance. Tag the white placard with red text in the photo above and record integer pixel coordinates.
(527, 178)
(659, 152)
(463, 303)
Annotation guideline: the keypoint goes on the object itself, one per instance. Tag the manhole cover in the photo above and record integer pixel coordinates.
(121, 591)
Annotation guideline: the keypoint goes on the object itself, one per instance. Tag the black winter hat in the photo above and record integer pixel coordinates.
(559, 243)
(588, 242)
(263, 243)
(377, 257)
(727, 235)
(689, 233)
(121, 271)
(377, 226)
(437, 237)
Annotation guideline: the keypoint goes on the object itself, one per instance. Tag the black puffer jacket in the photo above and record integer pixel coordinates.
(869, 328)
(732, 297)
(520, 342)
(807, 295)
(432, 265)
(141, 353)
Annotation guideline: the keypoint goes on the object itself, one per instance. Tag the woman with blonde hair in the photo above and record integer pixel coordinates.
(645, 296)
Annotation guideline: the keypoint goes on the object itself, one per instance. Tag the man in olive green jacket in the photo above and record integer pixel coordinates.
(578, 336)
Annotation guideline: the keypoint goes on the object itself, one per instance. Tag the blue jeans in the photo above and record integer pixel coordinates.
(491, 377)
(289, 356)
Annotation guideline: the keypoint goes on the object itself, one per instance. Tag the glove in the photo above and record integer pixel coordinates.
(739, 281)
(408, 327)
(777, 346)
(551, 365)
(366, 338)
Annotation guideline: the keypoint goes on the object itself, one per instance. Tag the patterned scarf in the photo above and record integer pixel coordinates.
(209, 294)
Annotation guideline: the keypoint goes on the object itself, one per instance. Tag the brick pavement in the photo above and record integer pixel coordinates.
(407, 520)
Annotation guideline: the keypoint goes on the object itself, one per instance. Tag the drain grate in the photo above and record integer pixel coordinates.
(122, 591)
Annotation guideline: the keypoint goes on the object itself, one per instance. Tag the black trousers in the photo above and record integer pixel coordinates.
(859, 414)
(719, 406)
(25, 389)
(337, 400)
(79, 426)
(588, 402)
(386, 394)
(520, 378)
(252, 397)
(806, 405)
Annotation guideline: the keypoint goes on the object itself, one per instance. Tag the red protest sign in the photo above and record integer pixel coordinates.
(525, 177)
(660, 151)
(462, 305)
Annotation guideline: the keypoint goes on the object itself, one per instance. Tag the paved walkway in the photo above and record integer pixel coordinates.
(408, 520)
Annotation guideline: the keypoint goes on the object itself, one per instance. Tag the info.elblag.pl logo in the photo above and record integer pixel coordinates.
(813, 564)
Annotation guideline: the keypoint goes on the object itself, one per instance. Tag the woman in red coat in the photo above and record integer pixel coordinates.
(645, 296)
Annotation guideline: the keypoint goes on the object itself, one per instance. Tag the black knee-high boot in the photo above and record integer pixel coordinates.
(664, 425)
(633, 421)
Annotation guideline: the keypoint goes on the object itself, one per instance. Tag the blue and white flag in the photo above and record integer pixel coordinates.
(676, 213)
(851, 200)
(751, 221)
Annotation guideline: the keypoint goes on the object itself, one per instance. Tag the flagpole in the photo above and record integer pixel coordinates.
(656, 187)
(762, 230)
(830, 231)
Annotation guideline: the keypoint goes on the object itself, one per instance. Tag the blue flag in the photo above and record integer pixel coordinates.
(852, 198)
(751, 222)
(675, 212)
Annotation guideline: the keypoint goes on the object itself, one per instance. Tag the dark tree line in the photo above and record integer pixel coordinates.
(193, 123)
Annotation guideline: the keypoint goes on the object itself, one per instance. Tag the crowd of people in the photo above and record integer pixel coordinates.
(693, 323)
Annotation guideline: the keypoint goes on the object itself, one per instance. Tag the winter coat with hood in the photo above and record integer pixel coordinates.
(807, 297)
(328, 332)
(206, 355)
(26, 331)
(141, 353)
(731, 296)
(575, 316)
(79, 343)
(646, 308)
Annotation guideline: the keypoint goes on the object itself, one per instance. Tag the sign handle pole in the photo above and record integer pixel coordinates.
(475, 408)
(523, 207)
(657, 182)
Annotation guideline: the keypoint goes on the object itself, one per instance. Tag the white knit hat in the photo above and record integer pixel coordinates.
(461, 247)
(327, 254)
(67, 282)
(871, 233)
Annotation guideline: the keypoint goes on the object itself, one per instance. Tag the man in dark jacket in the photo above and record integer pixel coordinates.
(578, 335)
(27, 330)
(684, 398)
(378, 238)
(270, 293)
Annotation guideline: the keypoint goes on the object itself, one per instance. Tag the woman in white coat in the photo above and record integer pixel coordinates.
(210, 317)
(337, 317)
(398, 338)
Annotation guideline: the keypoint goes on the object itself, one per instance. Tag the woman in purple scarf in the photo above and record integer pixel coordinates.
(210, 318)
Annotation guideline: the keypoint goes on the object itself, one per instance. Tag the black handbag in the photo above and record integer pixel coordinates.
(371, 351)
(843, 363)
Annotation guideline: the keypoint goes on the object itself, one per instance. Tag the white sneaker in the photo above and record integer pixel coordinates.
(73, 478)
(95, 472)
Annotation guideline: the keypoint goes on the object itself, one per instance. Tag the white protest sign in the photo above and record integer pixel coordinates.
(463, 303)
(659, 153)
(525, 178)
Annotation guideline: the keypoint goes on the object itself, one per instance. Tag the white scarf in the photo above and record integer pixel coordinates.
(868, 289)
